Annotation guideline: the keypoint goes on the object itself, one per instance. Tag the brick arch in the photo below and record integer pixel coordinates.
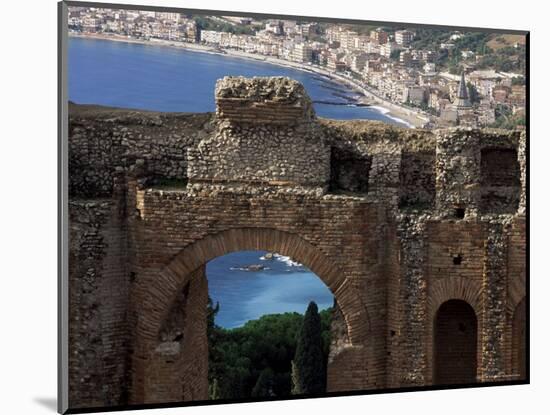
(174, 276)
(441, 291)
(456, 337)
(456, 288)
(516, 293)
(159, 294)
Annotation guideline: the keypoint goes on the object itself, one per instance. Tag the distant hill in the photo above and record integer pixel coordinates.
(499, 41)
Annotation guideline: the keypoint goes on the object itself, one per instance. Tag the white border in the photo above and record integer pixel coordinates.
(28, 207)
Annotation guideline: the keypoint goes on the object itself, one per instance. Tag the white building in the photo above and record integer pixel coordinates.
(301, 53)
(358, 61)
(404, 37)
(211, 36)
(429, 68)
(387, 48)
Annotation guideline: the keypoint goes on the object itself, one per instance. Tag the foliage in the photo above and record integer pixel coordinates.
(472, 93)
(309, 364)
(255, 359)
(506, 120)
(295, 390)
(206, 23)
(264, 384)
(214, 390)
(505, 59)
(430, 38)
(476, 42)
(518, 80)
(361, 29)
(508, 59)
(394, 55)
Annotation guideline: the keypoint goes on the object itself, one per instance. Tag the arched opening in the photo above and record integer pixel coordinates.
(179, 373)
(519, 342)
(261, 341)
(455, 343)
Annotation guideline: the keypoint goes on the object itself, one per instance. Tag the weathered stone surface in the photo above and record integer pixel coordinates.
(395, 222)
(258, 100)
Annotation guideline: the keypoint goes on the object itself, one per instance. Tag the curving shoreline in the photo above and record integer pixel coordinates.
(406, 116)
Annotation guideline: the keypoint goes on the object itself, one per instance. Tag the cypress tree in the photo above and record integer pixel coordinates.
(308, 369)
(214, 390)
(295, 389)
(264, 384)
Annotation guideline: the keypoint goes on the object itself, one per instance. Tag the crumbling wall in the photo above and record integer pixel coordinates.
(104, 142)
(263, 100)
(477, 172)
(500, 180)
(260, 155)
(457, 173)
(411, 218)
(265, 135)
(179, 366)
(99, 341)
(417, 180)
(349, 171)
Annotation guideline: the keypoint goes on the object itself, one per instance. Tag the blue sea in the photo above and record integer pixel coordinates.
(170, 79)
(283, 285)
(163, 78)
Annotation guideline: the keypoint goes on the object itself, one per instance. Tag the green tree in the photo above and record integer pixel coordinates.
(518, 80)
(294, 379)
(394, 55)
(238, 356)
(309, 360)
(214, 390)
(264, 384)
(472, 92)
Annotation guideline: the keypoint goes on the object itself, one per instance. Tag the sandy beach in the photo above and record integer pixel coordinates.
(410, 117)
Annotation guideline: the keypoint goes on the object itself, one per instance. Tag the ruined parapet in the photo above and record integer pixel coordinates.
(105, 142)
(384, 176)
(382, 204)
(457, 173)
(477, 172)
(266, 137)
(262, 100)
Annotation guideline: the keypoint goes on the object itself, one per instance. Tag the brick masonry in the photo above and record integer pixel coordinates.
(401, 225)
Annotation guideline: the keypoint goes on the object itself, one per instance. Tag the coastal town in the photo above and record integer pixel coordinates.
(430, 77)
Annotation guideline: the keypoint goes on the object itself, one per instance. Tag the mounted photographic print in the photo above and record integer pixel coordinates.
(257, 207)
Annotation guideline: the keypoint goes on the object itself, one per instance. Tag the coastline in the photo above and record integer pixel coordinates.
(406, 116)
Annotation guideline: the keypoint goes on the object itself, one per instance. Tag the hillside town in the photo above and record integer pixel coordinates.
(448, 77)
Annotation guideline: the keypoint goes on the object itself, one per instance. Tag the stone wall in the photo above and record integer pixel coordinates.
(417, 180)
(264, 135)
(395, 222)
(180, 359)
(260, 155)
(177, 231)
(104, 142)
(99, 340)
(477, 172)
(263, 101)
(500, 180)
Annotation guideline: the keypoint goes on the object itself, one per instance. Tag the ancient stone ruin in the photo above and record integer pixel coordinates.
(419, 235)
